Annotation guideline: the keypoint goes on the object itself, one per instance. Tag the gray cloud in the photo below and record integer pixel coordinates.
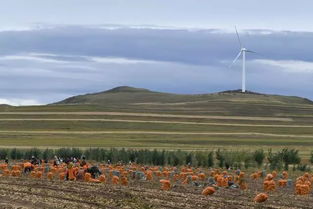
(278, 14)
(49, 64)
(193, 47)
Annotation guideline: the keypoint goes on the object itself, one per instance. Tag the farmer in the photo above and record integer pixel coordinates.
(94, 171)
(70, 175)
(33, 160)
(56, 161)
(83, 161)
(28, 167)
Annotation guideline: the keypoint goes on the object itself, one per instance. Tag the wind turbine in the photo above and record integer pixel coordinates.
(242, 52)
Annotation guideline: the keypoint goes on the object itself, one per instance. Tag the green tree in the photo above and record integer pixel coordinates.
(248, 158)
(275, 160)
(220, 157)
(290, 157)
(259, 157)
(210, 159)
(4, 153)
(48, 154)
(16, 154)
(188, 158)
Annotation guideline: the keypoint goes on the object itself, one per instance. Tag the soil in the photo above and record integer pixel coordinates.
(26, 192)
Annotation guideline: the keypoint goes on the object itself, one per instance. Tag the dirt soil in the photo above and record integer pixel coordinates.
(35, 193)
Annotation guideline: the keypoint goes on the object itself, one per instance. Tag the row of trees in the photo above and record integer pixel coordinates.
(221, 158)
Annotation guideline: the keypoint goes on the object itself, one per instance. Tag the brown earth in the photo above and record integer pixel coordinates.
(34, 193)
(156, 121)
(153, 115)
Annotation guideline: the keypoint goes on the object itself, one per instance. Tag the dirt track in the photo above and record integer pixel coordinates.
(152, 115)
(33, 193)
(156, 121)
(162, 133)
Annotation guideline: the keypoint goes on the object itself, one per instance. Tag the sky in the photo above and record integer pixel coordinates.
(54, 49)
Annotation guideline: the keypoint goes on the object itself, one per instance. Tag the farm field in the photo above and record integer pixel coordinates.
(42, 193)
(138, 118)
(33, 191)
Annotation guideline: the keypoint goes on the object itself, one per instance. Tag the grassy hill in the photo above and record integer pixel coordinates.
(140, 118)
(129, 95)
(223, 103)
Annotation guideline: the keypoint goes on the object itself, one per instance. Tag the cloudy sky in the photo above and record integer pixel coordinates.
(53, 49)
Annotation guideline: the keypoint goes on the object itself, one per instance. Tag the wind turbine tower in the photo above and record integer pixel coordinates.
(242, 52)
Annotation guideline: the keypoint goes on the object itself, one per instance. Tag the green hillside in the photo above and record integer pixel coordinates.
(223, 103)
(129, 95)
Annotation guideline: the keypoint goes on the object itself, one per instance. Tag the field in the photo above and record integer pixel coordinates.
(140, 119)
(34, 192)
(41, 193)
(136, 118)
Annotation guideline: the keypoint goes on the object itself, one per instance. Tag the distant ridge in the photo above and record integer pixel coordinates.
(238, 91)
(126, 89)
(5, 105)
(130, 95)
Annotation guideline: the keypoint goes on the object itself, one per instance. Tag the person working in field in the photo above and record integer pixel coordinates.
(28, 167)
(94, 171)
(83, 161)
(71, 174)
(34, 161)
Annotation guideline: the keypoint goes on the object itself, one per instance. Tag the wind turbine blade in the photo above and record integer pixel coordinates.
(235, 59)
(256, 53)
(238, 37)
(251, 51)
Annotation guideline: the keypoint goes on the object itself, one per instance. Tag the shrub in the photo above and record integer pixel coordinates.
(259, 157)
(189, 158)
(225, 158)
(16, 154)
(303, 167)
(275, 160)
(178, 158)
(37, 153)
(63, 153)
(201, 158)
(220, 157)
(210, 159)
(48, 154)
(230, 159)
(248, 158)
(290, 157)
(77, 153)
(4, 153)
(234, 159)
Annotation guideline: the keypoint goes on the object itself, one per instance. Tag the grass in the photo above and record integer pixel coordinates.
(143, 140)
(151, 126)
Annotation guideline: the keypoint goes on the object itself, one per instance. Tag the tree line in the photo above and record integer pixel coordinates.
(282, 159)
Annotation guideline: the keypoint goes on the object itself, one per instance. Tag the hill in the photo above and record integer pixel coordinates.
(234, 102)
(130, 95)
